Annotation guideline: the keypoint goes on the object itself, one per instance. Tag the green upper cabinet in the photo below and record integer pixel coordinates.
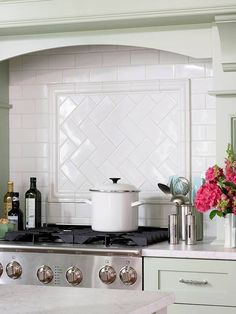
(4, 130)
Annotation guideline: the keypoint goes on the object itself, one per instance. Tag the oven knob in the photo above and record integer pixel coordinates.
(45, 274)
(1, 269)
(128, 275)
(74, 276)
(107, 274)
(14, 270)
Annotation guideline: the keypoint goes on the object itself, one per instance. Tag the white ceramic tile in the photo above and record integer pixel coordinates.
(199, 133)
(35, 62)
(211, 161)
(198, 164)
(132, 131)
(201, 85)
(204, 148)
(22, 164)
(42, 135)
(82, 210)
(88, 59)
(116, 58)
(62, 61)
(34, 91)
(159, 72)
(22, 136)
(209, 69)
(23, 106)
(68, 209)
(189, 70)
(198, 101)
(203, 117)
(15, 121)
(101, 48)
(128, 73)
(76, 75)
(15, 150)
(169, 57)
(103, 74)
(15, 92)
(35, 150)
(32, 121)
(41, 106)
(211, 132)
(103, 151)
(49, 76)
(142, 152)
(42, 164)
(210, 102)
(120, 154)
(144, 57)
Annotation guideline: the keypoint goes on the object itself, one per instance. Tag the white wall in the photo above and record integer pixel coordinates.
(32, 75)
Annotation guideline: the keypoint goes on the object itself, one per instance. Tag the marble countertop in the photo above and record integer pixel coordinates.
(19, 299)
(206, 249)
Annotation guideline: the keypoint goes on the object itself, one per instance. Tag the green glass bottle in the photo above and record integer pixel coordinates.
(33, 206)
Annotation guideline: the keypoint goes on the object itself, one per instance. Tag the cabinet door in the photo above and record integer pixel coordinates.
(193, 281)
(196, 309)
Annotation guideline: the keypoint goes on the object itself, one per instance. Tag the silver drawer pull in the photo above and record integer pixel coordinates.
(193, 282)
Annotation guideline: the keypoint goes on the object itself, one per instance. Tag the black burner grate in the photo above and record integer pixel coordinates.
(85, 235)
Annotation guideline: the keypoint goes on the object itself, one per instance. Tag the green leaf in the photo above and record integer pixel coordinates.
(220, 214)
(213, 213)
(230, 184)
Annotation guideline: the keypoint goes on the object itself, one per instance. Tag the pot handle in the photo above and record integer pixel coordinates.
(84, 201)
(114, 180)
(138, 203)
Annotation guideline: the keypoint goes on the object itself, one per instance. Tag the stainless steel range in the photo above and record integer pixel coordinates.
(77, 256)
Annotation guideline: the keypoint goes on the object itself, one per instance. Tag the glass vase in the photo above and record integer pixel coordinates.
(230, 231)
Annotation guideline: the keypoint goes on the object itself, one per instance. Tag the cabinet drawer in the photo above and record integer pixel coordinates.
(196, 309)
(193, 281)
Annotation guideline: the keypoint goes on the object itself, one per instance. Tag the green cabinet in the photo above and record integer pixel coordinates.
(207, 285)
(4, 130)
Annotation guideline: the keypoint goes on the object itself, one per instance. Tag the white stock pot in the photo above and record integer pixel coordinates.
(114, 207)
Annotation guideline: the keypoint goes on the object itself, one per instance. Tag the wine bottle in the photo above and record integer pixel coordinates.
(15, 215)
(7, 200)
(33, 206)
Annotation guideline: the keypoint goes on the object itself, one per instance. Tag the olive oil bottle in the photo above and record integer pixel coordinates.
(7, 200)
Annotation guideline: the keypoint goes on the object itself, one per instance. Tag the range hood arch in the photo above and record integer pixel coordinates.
(161, 38)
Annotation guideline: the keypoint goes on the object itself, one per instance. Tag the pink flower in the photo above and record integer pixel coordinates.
(207, 197)
(230, 171)
(214, 173)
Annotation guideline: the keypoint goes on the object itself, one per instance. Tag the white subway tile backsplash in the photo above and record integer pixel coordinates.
(205, 117)
(144, 57)
(103, 74)
(61, 61)
(189, 70)
(76, 75)
(172, 58)
(89, 59)
(135, 156)
(116, 58)
(159, 72)
(34, 91)
(131, 73)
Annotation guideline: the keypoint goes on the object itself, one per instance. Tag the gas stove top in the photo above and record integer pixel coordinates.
(85, 235)
(76, 256)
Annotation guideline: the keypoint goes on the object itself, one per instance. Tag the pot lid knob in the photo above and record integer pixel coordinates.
(114, 180)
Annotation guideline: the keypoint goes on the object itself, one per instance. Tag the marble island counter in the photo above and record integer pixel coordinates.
(206, 249)
(23, 299)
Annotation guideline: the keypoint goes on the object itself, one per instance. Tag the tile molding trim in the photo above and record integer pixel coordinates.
(182, 87)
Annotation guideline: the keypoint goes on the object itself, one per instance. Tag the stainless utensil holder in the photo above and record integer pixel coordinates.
(183, 211)
(191, 229)
(173, 229)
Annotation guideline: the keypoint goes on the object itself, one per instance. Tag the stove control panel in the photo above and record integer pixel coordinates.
(45, 274)
(70, 269)
(74, 276)
(107, 274)
(14, 270)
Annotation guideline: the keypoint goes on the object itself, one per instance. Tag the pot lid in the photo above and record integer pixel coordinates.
(115, 187)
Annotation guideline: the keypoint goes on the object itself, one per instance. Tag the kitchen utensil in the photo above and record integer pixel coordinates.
(179, 185)
(114, 207)
(173, 229)
(164, 188)
(179, 199)
(191, 230)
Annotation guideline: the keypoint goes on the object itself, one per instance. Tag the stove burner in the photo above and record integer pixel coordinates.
(85, 235)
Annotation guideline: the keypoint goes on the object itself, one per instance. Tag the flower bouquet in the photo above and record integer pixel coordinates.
(219, 189)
